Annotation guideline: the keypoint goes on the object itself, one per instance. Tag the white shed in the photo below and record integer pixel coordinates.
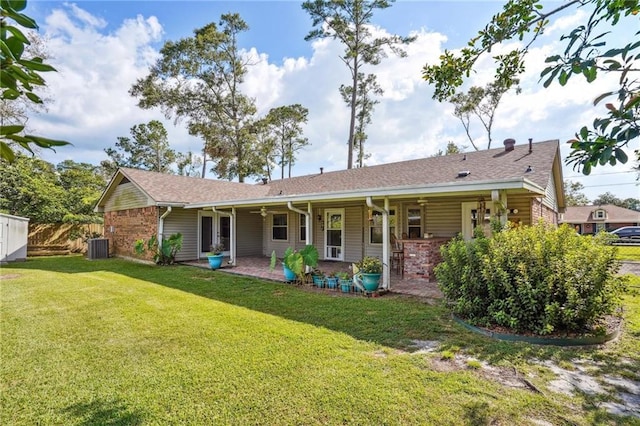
(14, 231)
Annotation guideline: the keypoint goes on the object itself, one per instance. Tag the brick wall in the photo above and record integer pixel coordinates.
(539, 210)
(129, 226)
(421, 257)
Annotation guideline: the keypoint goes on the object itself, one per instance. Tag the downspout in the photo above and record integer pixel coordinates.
(307, 220)
(161, 225)
(385, 240)
(232, 231)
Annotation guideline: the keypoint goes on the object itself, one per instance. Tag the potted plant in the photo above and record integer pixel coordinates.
(295, 262)
(370, 269)
(345, 281)
(332, 280)
(318, 277)
(215, 255)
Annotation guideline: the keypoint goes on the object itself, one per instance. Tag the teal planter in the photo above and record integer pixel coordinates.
(332, 282)
(215, 261)
(345, 286)
(370, 282)
(289, 275)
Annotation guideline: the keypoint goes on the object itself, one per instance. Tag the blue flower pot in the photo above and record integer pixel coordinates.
(289, 275)
(332, 282)
(215, 261)
(370, 282)
(345, 286)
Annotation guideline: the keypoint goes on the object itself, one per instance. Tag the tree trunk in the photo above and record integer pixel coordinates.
(352, 122)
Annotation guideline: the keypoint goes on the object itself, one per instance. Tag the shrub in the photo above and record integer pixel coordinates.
(534, 278)
(165, 253)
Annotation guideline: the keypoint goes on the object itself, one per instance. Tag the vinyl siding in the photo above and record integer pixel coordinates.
(353, 233)
(550, 196)
(127, 196)
(186, 222)
(249, 234)
(444, 217)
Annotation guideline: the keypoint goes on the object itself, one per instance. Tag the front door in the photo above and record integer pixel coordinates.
(333, 228)
(214, 230)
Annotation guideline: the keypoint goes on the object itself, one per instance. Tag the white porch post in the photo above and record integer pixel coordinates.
(385, 239)
(309, 218)
(232, 231)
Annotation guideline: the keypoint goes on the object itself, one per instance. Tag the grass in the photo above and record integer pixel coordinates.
(116, 342)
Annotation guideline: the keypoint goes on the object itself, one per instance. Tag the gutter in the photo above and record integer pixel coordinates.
(396, 191)
(385, 239)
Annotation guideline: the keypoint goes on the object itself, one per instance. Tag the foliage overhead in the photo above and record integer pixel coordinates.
(19, 77)
(349, 21)
(586, 54)
(199, 78)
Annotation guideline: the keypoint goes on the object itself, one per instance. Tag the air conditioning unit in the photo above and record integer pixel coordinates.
(98, 248)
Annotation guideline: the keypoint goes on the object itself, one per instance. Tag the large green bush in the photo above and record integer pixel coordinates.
(539, 279)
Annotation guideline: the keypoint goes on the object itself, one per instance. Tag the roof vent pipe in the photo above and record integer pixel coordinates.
(264, 180)
(530, 145)
(321, 170)
(509, 144)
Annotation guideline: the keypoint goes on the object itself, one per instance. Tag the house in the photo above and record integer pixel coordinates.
(593, 219)
(346, 214)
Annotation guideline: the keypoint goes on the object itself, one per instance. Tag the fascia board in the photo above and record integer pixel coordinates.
(397, 192)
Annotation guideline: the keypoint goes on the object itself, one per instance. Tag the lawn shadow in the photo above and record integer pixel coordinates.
(395, 321)
(103, 413)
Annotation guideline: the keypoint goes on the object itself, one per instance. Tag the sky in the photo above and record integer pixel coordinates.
(100, 48)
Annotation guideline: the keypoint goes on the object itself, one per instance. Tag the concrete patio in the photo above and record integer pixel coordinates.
(259, 267)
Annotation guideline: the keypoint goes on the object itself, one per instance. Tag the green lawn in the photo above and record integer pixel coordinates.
(629, 253)
(117, 342)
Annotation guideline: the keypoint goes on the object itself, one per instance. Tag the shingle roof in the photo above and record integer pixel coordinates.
(615, 214)
(165, 188)
(494, 164)
(488, 165)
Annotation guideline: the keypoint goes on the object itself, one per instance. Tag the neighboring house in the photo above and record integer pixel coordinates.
(14, 232)
(346, 214)
(593, 219)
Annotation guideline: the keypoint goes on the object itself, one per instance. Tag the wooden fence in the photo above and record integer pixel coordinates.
(60, 238)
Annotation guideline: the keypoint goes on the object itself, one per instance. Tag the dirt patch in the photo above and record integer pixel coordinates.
(8, 276)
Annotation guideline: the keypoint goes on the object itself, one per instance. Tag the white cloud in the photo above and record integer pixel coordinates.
(92, 106)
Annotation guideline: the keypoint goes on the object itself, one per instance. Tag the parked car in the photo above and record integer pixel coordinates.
(627, 232)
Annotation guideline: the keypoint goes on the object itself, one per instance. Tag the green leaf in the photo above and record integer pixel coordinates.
(563, 78)
(601, 97)
(36, 65)
(18, 5)
(606, 154)
(18, 34)
(586, 169)
(33, 97)
(10, 94)
(24, 20)
(6, 153)
(9, 130)
(46, 142)
(621, 156)
(16, 46)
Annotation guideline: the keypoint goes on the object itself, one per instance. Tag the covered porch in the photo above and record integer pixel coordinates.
(258, 267)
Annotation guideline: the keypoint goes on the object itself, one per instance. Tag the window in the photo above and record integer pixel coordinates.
(279, 228)
(414, 222)
(599, 214)
(375, 226)
(303, 227)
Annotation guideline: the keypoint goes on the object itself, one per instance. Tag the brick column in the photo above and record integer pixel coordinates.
(421, 257)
